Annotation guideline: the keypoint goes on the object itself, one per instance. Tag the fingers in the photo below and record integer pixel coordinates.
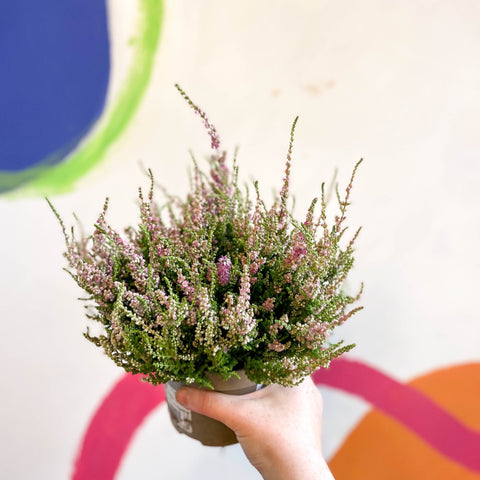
(212, 404)
(238, 412)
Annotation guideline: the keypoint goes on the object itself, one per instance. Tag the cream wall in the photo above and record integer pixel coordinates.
(393, 82)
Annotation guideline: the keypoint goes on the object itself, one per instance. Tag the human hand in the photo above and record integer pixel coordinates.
(279, 428)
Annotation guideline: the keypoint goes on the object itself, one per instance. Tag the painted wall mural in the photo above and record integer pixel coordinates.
(56, 66)
(86, 93)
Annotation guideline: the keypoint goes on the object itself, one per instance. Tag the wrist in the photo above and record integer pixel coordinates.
(304, 467)
(311, 468)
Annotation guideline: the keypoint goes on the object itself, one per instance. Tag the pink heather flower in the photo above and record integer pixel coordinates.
(223, 270)
(274, 328)
(268, 304)
(289, 364)
(298, 251)
(256, 264)
(187, 289)
(276, 346)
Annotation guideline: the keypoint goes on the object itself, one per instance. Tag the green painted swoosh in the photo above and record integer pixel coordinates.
(60, 178)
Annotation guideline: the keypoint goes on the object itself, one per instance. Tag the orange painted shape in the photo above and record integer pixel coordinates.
(380, 448)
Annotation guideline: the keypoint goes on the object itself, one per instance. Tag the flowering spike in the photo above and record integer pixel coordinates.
(152, 186)
(210, 128)
(344, 204)
(309, 220)
(224, 266)
(60, 220)
(286, 179)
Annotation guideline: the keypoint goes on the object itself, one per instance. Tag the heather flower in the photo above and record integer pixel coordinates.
(218, 282)
(223, 270)
(268, 304)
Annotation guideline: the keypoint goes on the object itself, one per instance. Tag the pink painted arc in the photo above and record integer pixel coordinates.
(407, 406)
(130, 402)
(113, 425)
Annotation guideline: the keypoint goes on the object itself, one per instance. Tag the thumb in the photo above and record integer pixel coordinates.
(219, 406)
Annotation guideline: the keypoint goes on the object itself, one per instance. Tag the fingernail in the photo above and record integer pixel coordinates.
(182, 397)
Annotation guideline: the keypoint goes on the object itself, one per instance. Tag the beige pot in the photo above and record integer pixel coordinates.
(204, 429)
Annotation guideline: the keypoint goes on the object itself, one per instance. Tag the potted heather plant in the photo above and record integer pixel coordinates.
(218, 289)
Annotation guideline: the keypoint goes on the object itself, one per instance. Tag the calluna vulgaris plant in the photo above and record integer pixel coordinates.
(217, 282)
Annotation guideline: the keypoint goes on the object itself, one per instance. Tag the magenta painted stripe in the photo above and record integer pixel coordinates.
(112, 427)
(408, 406)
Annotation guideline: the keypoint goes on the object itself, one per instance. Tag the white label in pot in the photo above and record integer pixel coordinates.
(183, 416)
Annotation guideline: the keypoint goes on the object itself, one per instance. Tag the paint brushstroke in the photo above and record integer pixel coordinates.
(371, 449)
(408, 406)
(48, 179)
(55, 63)
(113, 425)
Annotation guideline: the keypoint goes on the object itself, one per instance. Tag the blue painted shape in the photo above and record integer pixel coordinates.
(54, 72)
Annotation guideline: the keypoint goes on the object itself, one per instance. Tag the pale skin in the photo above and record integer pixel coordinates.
(279, 428)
